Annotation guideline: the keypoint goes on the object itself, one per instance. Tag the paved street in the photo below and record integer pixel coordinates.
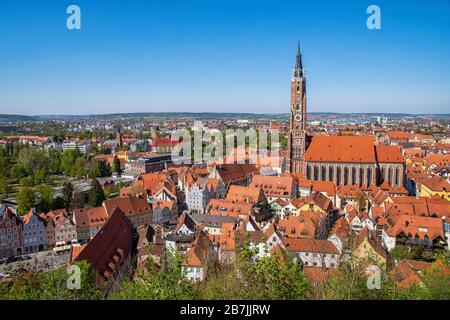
(45, 260)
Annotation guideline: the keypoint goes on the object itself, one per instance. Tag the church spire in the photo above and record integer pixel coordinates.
(299, 58)
(298, 71)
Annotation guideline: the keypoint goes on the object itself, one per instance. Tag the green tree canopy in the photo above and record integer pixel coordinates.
(96, 195)
(26, 200)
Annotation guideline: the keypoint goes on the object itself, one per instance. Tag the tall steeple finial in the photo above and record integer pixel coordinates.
(299, 57)
(298, 71)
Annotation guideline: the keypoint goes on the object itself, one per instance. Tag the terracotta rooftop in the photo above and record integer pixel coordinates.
(310, 245)
(130, 206)
(341, 149)
(417, 227)
(110, 246)
(229, 208)
(389, 154)
(274, 186)
(245, 194)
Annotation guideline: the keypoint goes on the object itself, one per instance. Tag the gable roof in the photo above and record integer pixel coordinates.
(298, 227)
(213, 221)
(341, 149)
(310, 245)
(229, 208)
(275, 186)
(186, 220)
(327, 187)
(417, 227)
(371, 238)
(110, 245)
(340, 228)
(389, 154)
(130, 206)
(437, 184)
(245, 194)
(230, 173)
(197, 255)
(90, 217)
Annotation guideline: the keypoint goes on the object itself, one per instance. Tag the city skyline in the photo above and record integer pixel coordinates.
(145, 57)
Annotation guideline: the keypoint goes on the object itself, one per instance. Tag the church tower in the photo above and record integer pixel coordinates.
(297, 122)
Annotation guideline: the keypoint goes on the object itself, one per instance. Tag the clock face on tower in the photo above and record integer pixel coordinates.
(298, 117)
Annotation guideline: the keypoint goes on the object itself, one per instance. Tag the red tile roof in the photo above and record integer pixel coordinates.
(390, 154)
(274, 186)
(110, 246)
(417, 227)
(91, 217)
(198, 254)
(310, 245)
(341, 149)
(130, 206)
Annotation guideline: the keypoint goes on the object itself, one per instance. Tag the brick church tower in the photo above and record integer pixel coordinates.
(297, 122)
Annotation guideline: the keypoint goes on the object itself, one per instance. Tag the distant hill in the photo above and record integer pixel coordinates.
(14, 117)
(209, 115)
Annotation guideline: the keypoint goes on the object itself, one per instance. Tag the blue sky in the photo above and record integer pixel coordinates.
(222, 56)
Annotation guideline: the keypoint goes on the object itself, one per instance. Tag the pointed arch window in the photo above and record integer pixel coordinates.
(330, 173)
(354, 175)
(361, 176)
(390, 177)
(346, 175)
(369, 176)
(397, 177)
(383, 175)
(324, 173)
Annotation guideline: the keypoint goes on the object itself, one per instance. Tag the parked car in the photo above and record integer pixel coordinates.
(2, 261)
(3, 275)
(11, 259)
(27, 258)
(21, 270)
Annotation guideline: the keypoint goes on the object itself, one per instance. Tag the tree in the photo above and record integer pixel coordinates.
(17, 172)
(25, 200)
(78, 201)
(45, 199)
(52, 285)
(5, 188)
(443, 256)
(79, 168)
(349, 282)
(434, 285)
(251, 277)
(96, 195)
(26, 182)
(68, 159)
(67, 193)
(158, 283)
(99, 169)
(5, 164)
(54, 161)
(32, 160)
(40, 176)
(116, 165)
(59, 203)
